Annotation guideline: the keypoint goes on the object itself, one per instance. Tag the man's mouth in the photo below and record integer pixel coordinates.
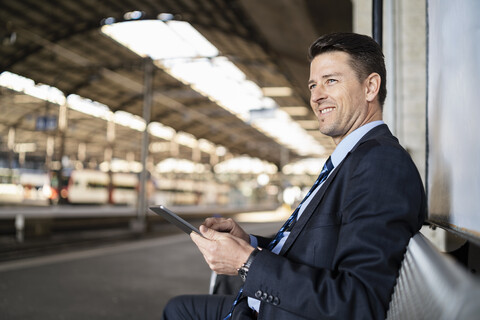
(326, 110)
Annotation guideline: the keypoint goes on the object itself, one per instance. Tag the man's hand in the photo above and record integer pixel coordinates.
(227, 225)
(223, 252)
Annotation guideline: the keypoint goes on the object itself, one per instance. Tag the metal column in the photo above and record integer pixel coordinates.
(147, 107)
(377, 21)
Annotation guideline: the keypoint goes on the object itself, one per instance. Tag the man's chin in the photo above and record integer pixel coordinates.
(328, 131)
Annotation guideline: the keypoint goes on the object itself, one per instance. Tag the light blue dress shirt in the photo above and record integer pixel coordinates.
(340, 152)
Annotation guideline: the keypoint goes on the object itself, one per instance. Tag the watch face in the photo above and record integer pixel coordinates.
(242, 272)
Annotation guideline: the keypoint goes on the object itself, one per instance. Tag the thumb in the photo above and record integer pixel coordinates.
(207, 232)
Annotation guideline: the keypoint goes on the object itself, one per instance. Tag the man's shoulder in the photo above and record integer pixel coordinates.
(378, 137)
(382, 147)
(378, 150)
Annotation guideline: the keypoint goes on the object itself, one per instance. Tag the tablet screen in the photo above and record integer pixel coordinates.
(171, 217)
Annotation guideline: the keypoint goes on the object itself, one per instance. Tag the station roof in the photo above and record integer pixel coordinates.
(59, 43)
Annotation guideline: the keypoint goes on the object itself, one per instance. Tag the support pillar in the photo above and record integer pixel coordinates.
(109, 156)
(11, 146)
(284, 160)
(377, 21)
(62, 132)
(139, 225)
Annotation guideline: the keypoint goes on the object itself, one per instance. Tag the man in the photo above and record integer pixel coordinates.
(339, 256)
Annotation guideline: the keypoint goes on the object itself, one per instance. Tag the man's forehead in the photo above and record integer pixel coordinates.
(331, 63)
(331, 58)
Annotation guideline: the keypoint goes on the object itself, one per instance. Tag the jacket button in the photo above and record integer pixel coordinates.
(276, 301)
(264, 296)
(269, 299)
(258, 294)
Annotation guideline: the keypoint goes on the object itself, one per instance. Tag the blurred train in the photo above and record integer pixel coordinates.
(36, 187)
(11, 191)
(24, 187)
(95, 187)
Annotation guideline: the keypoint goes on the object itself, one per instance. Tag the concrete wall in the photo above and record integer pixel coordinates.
(404, 44)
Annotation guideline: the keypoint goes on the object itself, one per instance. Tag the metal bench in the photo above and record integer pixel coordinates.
(432, 285)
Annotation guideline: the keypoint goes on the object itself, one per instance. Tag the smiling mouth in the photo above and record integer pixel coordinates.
(326, 110)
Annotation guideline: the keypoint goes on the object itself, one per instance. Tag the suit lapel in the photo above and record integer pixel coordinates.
(310, 209)
(307, 213)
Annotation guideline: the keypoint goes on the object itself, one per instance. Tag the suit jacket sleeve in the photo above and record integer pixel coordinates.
(377, 204)
(263, 242)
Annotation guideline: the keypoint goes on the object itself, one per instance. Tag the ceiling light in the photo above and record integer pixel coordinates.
(165, 16)
(277, 91)
(186, 139)
(206, 146)
(245, 165)
(28, 86)
(221, 151)
(129, 120)
(296, 110)
(87, 106)
(305, 166)
(161, 131)
(133, 15)
(107, 21)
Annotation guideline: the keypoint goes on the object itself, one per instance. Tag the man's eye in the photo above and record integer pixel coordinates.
(312, 86)
(330, 81)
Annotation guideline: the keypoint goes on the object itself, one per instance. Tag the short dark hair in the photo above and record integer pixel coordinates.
(366, 55)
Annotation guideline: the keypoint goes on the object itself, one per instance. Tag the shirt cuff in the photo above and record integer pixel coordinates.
(253, 241)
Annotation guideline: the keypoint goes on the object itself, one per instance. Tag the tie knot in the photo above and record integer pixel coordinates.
(327, 168)
(328, 164)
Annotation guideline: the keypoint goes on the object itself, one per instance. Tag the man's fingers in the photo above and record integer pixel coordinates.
(208, 236)
(219, 224)
(211, 221)
(195, 237)
(208, 232)
(223, 252)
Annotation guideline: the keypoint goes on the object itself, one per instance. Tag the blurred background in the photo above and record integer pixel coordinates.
(108, 107)
(201, 105)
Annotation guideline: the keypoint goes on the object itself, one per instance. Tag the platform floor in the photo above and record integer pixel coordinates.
(132, 280)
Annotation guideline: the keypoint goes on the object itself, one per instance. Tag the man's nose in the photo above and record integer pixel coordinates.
(317, 94)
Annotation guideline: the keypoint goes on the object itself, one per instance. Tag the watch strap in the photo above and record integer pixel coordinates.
(243, 271)
(251, 257)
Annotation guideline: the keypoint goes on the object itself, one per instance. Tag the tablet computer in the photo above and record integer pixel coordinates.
(171, 217)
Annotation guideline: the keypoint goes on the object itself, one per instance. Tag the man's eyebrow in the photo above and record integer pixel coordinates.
(334, 74)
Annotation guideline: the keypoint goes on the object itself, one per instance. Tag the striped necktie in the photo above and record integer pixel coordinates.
(327, 168)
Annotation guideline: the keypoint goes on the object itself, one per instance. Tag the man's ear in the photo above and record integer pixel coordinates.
(372, 86)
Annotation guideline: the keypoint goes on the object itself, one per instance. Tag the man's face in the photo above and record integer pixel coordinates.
(337, 97)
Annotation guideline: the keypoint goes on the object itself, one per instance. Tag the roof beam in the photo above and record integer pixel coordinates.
(137, 87)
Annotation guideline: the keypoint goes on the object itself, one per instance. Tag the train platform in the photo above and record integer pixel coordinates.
(129, 280)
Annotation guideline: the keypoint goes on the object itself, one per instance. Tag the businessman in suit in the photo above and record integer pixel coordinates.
(339, 254)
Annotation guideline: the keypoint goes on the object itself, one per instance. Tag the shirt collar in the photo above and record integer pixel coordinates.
(344, 147)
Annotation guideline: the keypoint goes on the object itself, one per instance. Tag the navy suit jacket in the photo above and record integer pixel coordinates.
(343, 255)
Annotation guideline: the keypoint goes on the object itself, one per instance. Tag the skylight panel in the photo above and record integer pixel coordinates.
(190, 35)
(150, 38)
(185, 54)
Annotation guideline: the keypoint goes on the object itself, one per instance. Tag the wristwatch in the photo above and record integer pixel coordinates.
(243, 271)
